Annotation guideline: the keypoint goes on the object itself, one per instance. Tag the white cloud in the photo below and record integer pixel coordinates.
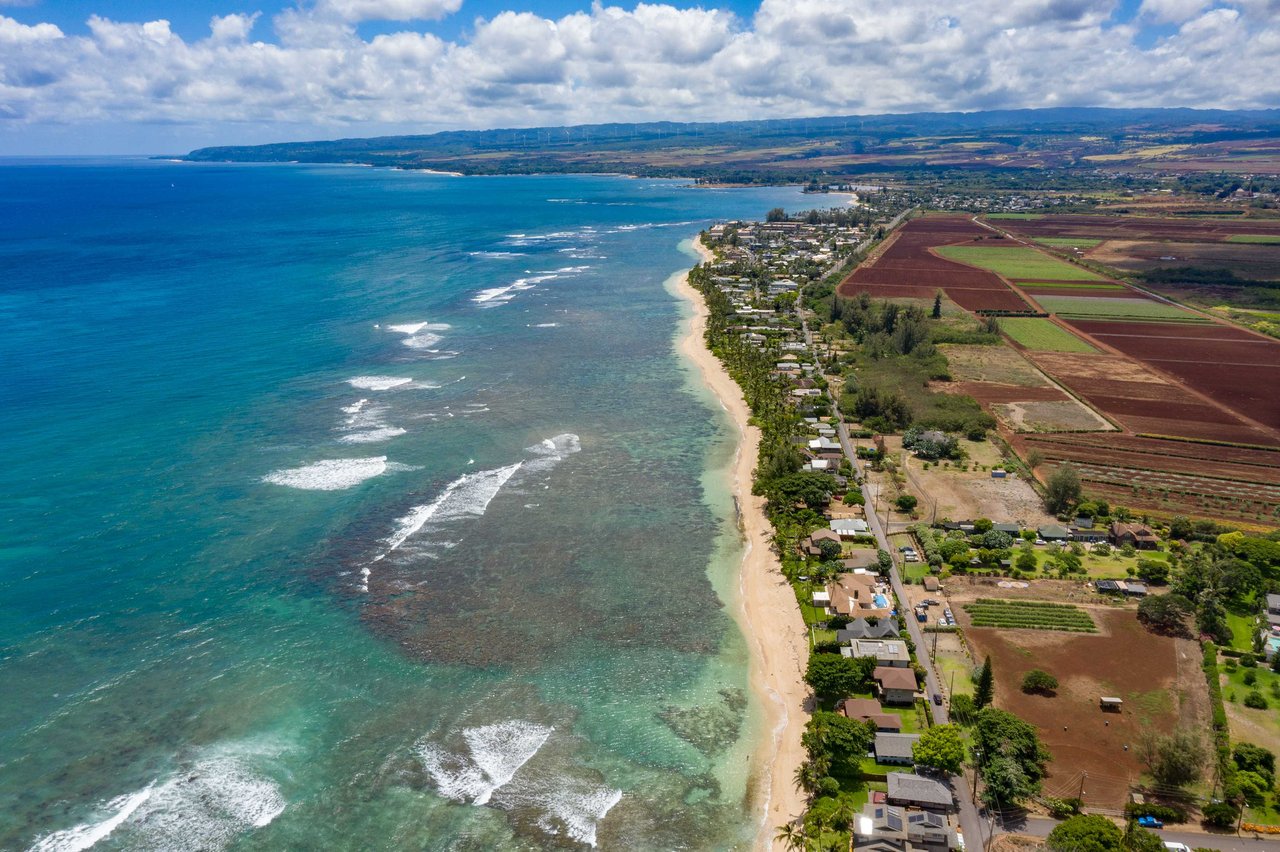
(793, 58)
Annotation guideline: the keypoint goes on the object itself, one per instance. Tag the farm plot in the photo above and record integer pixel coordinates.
(908, 269)
(998, 364)
(1123, 659)
(1257, 239)
(1029, 615)
(1141, 228)
(1042, 335)
(1077, 307)
(1065, 415)
(1255, 259)
(1017, 263)
(1232, 367)
(1216, 462)
(1069, 242)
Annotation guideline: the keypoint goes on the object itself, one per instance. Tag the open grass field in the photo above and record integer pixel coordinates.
(1123, 659)
(1257, 239)
(1015, 216)
(1135, 308)
(1029, 615)
(1089, 286)
(1017, 263)
(998, 364)
(1260, 727)
(1062, 415)
(1042, 335)
(1256, 258)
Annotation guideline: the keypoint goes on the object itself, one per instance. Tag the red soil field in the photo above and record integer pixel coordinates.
(907, 267)
(1126, 458)
(1124, 659)
(1163, 448)
(1179, 331)
(1136, 227)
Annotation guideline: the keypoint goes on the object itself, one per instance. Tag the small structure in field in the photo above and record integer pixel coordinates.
(1111, 704)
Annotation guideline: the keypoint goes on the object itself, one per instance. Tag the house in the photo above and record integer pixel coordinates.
(824, 445)
(864, 559)
(896, 685)
(1014, 530)
(882, 827)
(1273, 610)
(1087, 535)
(822, 599)
(887, 652)
(813, 543)
(1138, 535)
(869, 710)
(895, 748)
(854, 595)
(1135, 590)
(850, 527)
(907, 789)
(1053, 532)
(861, 628)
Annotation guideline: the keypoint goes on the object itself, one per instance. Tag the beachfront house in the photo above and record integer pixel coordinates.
(1273, 610)
(909, 790)
(882, 827)
(886, 652)
(895, 685)
(869, 710)
(895, 748)
(862, 628)
(812, 545)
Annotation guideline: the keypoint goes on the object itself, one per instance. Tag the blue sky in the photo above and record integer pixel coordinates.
(160, 76)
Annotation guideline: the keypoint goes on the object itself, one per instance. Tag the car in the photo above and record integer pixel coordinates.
(937, 699)
(1040, 541)
(1150, 822)
(911, 557)
(1176, 847)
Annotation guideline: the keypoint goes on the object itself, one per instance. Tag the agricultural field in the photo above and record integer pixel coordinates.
(1029, 615)
(1256, 239)
(1065, 415)
(1017, 263)
(1143, 228)
(1069, 242)
(908, 269)
(1119, 308)
(994, 364)
(1042, 335)
(1252, 257)
(1158, 678)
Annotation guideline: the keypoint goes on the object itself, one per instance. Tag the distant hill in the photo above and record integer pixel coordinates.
(825, 148)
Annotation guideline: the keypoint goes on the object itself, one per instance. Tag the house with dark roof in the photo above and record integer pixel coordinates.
(908, 789)
(895, 685)
(869, 710)
(812, 543)
(861, 628)
(886, 652)
(1138, 535)
(895, 748)
(1053, 532)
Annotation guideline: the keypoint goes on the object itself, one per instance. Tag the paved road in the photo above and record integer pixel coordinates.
(1040, 827)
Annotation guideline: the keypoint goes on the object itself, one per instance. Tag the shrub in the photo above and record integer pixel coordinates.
(1166, 813)
(1248, 660)
(1220, 815)
(1039, 680)
(1255, 700)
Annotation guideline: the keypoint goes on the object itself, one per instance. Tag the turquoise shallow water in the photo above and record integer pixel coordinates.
(349, 508)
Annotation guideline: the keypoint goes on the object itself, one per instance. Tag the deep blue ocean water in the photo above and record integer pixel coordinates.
(355, 508)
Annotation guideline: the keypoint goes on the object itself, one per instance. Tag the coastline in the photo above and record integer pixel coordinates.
(765, 608)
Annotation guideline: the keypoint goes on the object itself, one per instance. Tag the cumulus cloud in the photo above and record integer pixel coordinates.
(311, 67)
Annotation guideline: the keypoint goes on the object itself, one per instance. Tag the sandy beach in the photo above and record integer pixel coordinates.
(766, 606)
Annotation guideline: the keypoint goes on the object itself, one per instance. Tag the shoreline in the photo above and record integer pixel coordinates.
(765, 606)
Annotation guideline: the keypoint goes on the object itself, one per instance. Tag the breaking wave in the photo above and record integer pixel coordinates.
(329, 474)
(420, 335)
(207, 806)
(378, 383)
(495, 296)
(495, 755)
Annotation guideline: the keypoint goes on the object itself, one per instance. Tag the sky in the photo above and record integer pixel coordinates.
(166, 76)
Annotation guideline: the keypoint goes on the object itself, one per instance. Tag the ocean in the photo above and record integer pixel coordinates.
(352, 508)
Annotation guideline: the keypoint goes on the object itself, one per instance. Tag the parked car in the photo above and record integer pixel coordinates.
(937, 699)
(1150, 822)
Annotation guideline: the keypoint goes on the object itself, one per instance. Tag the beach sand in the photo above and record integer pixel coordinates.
(766, 607)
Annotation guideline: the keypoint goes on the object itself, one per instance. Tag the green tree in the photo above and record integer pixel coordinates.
(937, 305)
(1175, 759)
(1220, 814)
(1086, 833)
(777, 214)
(1011, 756)
(1062, 489)
(1164, 613)
(984, 685)
(1253, 758)
(1039, 680)
(1153, 571)
(940, 747)
(884, 562)
(1026, 561)
(906, 503)
(962, 709)
(833, 676)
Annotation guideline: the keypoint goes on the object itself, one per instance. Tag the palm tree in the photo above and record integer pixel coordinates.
(790, 836)
(807, 777)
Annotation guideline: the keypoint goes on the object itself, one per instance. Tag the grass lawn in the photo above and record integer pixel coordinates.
(1069, 242)
(1073, 285)
(914, 571)
(1241, 624)
(1017, 262)
(1084, 306)
(1258, 239)
(1014, 215)
(1041, 335)
(950, 667)
(1110, 567)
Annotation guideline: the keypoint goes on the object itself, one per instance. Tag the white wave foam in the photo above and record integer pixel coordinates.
(499, 254)
(329, 474)
(499, 295)
(205, 807)
(545, 325)
(84, 836)
(372, 436)
(420, 335)
(469, 494)
(551, 451)
(496, 754)
(378, 383)
(576, 808)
